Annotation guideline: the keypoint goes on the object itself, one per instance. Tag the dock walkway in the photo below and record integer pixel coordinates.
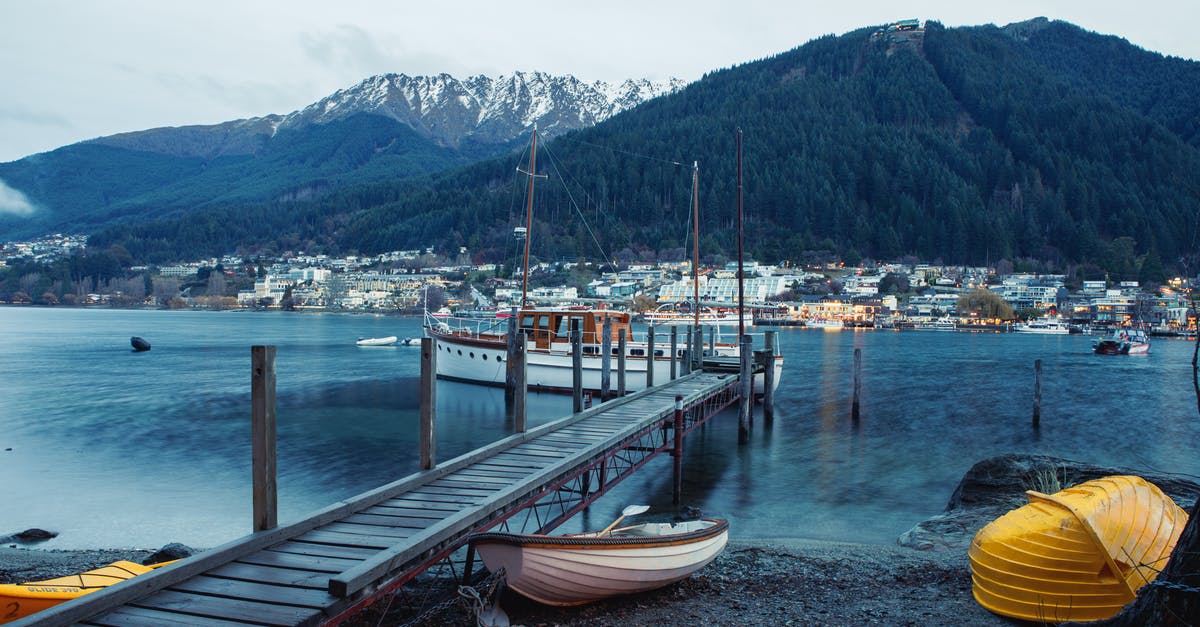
(340, 558)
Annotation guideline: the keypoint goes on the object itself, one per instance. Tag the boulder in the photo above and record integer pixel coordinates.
(172, 551)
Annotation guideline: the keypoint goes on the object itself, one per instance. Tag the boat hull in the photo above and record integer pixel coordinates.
(20, 600)
(1078, 555)
(573, 570)
(377, 341)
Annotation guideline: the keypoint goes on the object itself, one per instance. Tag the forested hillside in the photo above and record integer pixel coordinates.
(966, 145)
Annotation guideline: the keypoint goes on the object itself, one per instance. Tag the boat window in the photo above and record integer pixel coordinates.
(460, 351)
(543, 322)
(472, 354)
(564, 327)
(499, 357)
(637, 352)
(614, 350)
(658, 353)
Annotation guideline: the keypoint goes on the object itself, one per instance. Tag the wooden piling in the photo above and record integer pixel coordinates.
(677, 453)
(769, 381)
(520, 395)
(510, 374)
(576, 366)
(650, 356)
(746, 374)
(674, 350)
(262, 437)
(428, 402)
(854, 403)
(606, 360)
(712, 341)
(1037, 393)
(621, 342)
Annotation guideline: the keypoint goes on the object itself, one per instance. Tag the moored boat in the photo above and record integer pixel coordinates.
(1080, 554)
(1123, 342)
(824, 323)
(377, 341)
(671, 314)
(578, 569)
(18, 600)
(1046, 326)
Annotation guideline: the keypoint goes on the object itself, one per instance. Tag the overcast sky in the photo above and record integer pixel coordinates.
(78, 69)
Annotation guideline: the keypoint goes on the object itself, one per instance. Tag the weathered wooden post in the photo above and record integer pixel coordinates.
(522, 388)
(650, 356)
(697, 348)
(510, 373)
(428, 402)
(262, 436)
(621, 362)
(1037, 393)
(769, 381)
(857, 384)
(677, 463)
(606, 360)
(674, 350)
(745, 383)
(712, 341)
(576, 366)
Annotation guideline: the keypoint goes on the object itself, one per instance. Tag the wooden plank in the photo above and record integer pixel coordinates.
(256, 591)
(408, 512)
(464, 480)
(459, 488)
(348, 539)
(272, 574)
(313, 563)
(429, 495)
(388, 520)
(144, 617)
(322, 550)
(371, 531)
(230, 609)
(433, 506)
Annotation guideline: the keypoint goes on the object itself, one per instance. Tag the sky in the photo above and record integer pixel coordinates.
(72, 70)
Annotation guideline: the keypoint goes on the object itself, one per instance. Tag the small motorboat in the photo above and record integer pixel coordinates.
(376, 341)
(1080, 554)
(1123, 342)
(578, 569)
(18, 600)
(139, 344)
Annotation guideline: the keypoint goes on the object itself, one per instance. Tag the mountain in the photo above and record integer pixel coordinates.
(385, 127)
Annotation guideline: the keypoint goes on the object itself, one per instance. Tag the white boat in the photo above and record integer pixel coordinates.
(670, 314)
(1047, 326)
(474, 350)
(377, 341)
(945, 323)
(824, 323)
(578, 569)
(1123, 342)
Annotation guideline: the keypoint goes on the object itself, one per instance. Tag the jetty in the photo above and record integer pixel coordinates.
(334, 563)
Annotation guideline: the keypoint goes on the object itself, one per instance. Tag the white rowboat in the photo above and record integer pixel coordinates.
(376, 341)
(578, 569)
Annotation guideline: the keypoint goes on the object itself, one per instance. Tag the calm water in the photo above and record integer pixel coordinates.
(119, 449)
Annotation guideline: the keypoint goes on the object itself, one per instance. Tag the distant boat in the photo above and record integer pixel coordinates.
(376, 341)
(682, 314)
(1045, 326)
(18, 600)
(1080, 554)
(945, 323)
(1123, 342)
(139, 344)
(578, 569)
(824, 323)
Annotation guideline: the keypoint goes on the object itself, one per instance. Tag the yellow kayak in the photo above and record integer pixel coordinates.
(1080, 554)
(18, 600)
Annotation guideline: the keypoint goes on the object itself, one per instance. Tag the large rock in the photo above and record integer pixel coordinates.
(29, 536)
(172, 551)
(994, 486)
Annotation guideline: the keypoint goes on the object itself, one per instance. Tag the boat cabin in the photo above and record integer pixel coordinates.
(551, 326)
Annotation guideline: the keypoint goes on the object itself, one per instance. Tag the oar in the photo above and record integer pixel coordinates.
(632, 510)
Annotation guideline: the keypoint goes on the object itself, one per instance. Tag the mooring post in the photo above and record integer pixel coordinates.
(769, 382)
(712, 341)
(428, 402)
(262, 436)
(674, 351)
(857, 384)
(1037, 393)
(697, 348)
(606, 360)
(650, 356)
(510, 373)
(621, 362)
(677, 463)
(520, 368)
(576, 366)
(746, 380)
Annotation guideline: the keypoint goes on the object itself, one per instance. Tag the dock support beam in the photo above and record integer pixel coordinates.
(677, 453)
(606, 360)
(745, 385)
(857, 385)
(576, 366)
(510, 380)
(520, 396)
(621, 362)
(428, 402)
(675, 352)
(262, 438)
(650, 356)
(769, 382)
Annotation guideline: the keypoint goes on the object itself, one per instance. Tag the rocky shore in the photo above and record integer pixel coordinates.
(922, 580)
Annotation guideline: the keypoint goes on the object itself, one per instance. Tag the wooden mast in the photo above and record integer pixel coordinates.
(741, 287)
(696, 243)
(528, 216)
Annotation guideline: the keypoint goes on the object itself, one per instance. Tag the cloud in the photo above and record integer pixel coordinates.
(14, 202)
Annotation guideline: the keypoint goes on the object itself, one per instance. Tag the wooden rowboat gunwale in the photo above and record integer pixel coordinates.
(613, 541)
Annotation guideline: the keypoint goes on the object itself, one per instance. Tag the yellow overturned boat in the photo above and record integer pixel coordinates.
(1080, 554)
(18, 600)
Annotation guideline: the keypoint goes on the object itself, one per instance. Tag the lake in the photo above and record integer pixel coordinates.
(113, 448)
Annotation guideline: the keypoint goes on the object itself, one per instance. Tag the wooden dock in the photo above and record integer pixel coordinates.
(336, 561)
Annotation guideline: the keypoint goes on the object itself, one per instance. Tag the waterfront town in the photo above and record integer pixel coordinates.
(828, 294)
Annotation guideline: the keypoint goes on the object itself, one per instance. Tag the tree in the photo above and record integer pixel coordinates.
(984, 304)
(893, 283)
